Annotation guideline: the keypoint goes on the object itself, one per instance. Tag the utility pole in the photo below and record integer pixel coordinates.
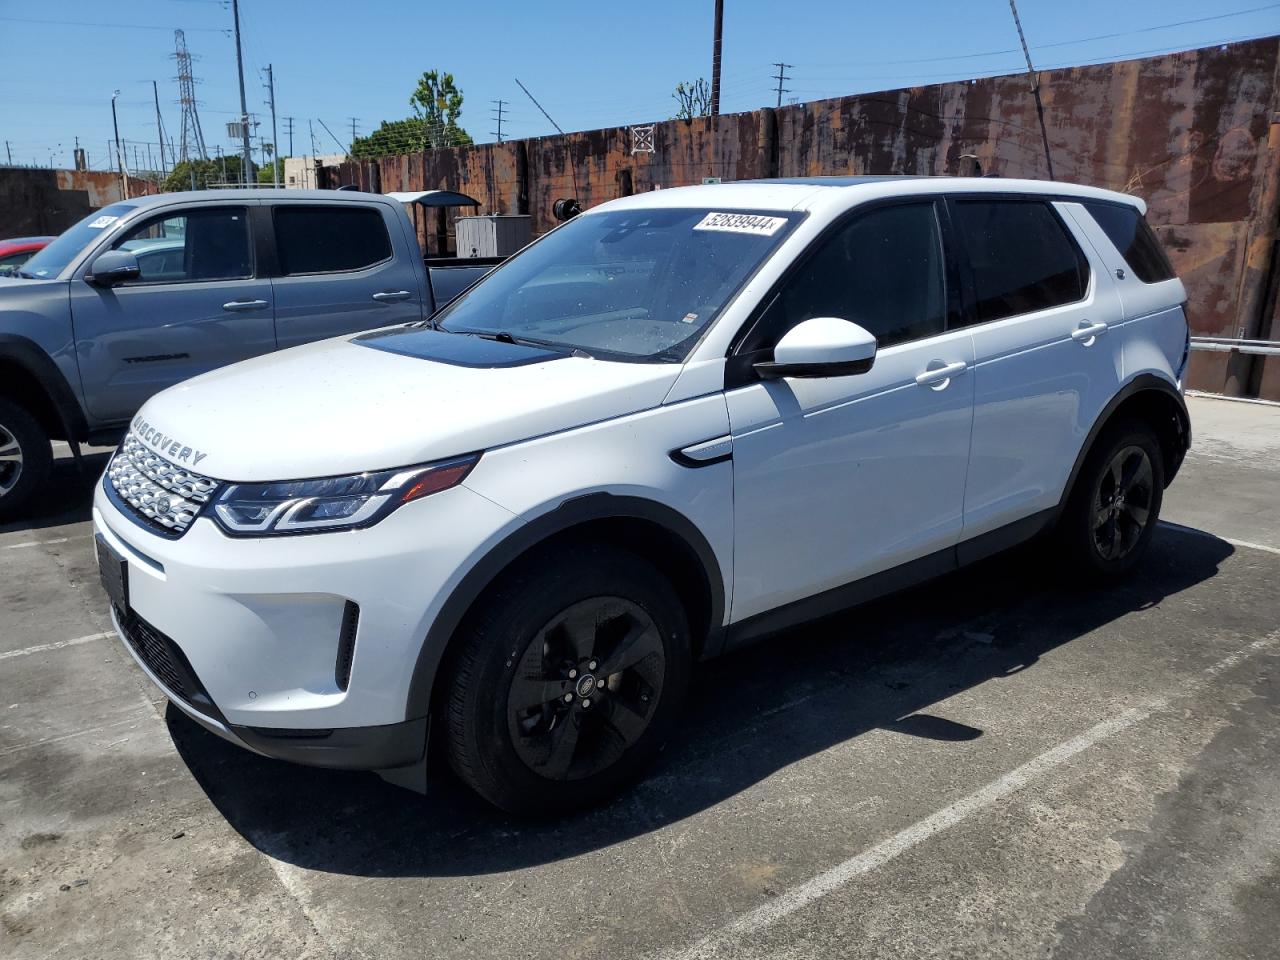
(715, 59)
(159, 126)
(244, 109)
(354, 121)
(8, 149)
(780, 76)
(1035, 87)
(289, 121)
(500, 104)
(115, 125)
(275, 143)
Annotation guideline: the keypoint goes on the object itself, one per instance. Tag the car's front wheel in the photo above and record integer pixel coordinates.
(570, 678)
(25, 457)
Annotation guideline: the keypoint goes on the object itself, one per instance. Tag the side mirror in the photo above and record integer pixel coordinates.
(114, 268)
(821, 347)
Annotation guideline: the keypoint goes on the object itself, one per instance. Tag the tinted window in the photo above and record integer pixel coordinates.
(1128, 230)
(208, 244)
(54, 258)
(330, 239)
(884, 271)
(1020, 256)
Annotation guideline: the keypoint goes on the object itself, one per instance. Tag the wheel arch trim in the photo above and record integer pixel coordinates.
(27, 355)
(571, 513)
(1142, 383)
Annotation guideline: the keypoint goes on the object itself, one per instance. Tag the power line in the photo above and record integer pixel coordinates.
(112, 26)
(538, 105)
(780, 77)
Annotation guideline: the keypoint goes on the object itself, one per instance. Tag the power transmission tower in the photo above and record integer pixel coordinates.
(780, 77)
(498, 116)
(192, 142)
(275, 143)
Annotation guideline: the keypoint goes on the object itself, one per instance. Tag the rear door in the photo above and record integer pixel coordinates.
(341, 267)
(200, 303)
(1041, 306)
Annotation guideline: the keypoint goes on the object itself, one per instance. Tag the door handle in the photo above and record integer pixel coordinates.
(939, 376)
(392, 296)
(241, 305)
(1087, 332)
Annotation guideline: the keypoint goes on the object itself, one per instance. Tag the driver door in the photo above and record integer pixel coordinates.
(197, 305)
(838, 478)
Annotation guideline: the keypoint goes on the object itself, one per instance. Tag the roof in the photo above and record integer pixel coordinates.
(251, 193)
(435, 198)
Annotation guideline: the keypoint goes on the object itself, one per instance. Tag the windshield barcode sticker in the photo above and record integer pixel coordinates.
(102, 222)
(742, 223)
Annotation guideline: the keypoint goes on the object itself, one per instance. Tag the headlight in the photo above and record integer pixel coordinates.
(332, 503)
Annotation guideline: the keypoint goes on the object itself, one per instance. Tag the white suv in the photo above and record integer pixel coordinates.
(679, 422)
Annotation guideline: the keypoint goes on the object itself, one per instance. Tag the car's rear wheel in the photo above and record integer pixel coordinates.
(569, 680)
(1115, 504)
(25, 457)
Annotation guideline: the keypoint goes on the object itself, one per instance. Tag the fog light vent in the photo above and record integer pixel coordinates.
(347, 644)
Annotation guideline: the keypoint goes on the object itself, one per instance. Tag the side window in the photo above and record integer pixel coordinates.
(884, 271)
(210, 244)
(329, 239)
(1133, 237)
(1021, 257)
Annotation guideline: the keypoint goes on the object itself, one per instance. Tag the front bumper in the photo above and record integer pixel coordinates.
(243, 635)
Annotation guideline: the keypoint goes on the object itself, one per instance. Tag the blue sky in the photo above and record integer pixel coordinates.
(591, 64)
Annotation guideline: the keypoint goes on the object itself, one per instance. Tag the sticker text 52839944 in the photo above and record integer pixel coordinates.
(752, 223)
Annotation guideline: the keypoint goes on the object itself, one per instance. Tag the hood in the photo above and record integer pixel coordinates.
(347, 406)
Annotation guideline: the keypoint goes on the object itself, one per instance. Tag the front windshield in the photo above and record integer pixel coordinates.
(53, 259)
(630, 284)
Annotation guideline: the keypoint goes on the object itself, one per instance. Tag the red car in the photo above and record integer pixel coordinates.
(14, 253)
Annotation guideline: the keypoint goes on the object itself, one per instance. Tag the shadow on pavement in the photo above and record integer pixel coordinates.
(66, 498)
(751, 714)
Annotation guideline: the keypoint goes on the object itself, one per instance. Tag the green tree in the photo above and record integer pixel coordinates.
(198, 174)
(437, 103)
(264, 172)
(694, 99)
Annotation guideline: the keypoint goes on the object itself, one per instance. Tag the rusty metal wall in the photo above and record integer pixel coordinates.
(36, 202)
(1194, 133)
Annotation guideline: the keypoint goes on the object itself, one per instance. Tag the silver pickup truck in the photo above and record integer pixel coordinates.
(148, 292)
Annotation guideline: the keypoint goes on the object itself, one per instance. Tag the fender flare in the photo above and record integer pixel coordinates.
(30, 357)
(571, 513)
(1142, 383)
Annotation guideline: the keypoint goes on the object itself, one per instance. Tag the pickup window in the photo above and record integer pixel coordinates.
(330, 239)
(194, 245)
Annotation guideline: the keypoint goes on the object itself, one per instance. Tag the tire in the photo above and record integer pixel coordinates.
(1104, 535)
(26, 458)
(527, 734)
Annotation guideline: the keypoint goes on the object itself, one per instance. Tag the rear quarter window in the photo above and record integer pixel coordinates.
(330, 239)
(1130, 233)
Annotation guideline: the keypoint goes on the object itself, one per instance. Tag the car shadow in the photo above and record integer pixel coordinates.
(65, 498)
(751, 714)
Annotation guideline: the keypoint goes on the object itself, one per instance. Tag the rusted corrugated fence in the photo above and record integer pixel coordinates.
(1196, 134)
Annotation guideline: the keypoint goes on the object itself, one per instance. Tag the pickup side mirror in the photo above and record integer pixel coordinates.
(821, 347)
(113, 268)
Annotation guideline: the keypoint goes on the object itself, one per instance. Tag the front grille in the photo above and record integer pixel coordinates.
(168, 663)
(155, 492)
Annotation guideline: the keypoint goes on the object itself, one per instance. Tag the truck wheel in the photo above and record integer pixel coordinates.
(1115, 504)
(569, 680)
(25, 457)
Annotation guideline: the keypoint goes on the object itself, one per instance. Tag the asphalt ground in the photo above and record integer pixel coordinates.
(998, 764)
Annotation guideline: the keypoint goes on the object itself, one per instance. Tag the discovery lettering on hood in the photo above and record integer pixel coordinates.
(165, 444)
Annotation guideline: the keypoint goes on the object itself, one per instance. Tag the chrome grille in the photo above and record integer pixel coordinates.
(159, 493)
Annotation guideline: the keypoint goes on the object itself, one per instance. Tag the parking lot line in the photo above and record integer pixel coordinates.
(831, 880)
(1205, 533)
(56, 645)
(34, 543)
